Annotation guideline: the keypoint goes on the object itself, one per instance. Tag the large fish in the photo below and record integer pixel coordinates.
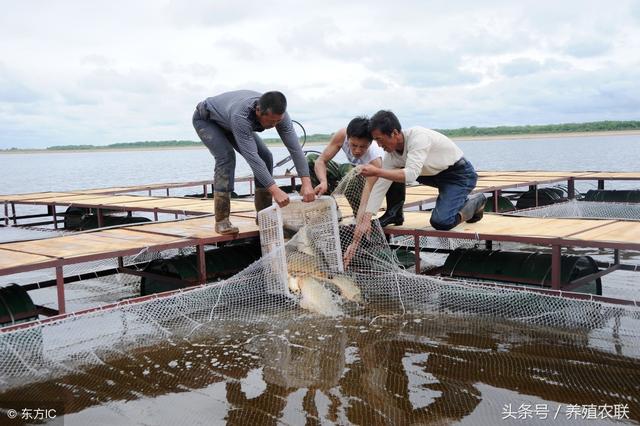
(321, 291)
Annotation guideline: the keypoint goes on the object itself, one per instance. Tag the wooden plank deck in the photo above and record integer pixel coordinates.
(12, 259)
(57, 252)
(108, 243)
(571, 232)
(600, 232)
(130, 202)
(417, 195)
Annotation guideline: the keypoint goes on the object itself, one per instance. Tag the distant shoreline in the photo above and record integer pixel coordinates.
(548, 135)
(497, 138)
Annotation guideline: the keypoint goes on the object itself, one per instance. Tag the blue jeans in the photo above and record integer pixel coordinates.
(454, 185)
(222, 146)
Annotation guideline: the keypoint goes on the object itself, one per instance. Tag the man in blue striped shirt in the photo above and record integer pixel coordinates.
(227, 123)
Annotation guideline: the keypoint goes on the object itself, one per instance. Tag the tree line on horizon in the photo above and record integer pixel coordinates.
(595, 126)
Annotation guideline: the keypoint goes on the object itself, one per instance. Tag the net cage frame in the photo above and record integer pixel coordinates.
(582, 209)
(57, 347)
(319, 219)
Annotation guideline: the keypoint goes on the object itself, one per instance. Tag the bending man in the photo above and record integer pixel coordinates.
(360, 149)
(426, 156)
(229, 122)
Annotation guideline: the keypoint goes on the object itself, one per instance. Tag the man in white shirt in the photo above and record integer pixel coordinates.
(426, 156)
(359, 148)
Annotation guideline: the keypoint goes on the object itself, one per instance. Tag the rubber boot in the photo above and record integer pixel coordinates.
(261, 200)
(395, 201)
(473, 209)
(222, 201)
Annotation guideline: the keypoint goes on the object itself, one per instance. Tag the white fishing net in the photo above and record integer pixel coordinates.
(90, 284)
(584, 209)
(297, 337)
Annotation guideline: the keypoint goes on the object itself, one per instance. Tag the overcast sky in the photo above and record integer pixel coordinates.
(85, 72)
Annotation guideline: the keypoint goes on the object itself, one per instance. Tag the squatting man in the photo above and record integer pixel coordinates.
(358, 146)
(228, 122)
(422, 155)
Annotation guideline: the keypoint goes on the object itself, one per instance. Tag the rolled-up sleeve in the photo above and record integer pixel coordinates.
(290, 140)
(243, 134)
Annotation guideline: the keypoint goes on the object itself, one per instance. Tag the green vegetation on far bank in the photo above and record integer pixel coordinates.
(596, 126)
(121, 145)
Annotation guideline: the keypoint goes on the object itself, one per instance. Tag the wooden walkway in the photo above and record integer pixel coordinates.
(107, 199)
(125, 203)
(497, 181)
(130, 240)
(557, 233)
(620, 234)
(103, 244)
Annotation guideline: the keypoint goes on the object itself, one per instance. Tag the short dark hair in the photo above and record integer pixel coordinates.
(273, 102)
(359, 128)
(385, 121)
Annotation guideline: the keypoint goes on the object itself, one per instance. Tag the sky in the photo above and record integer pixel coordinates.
(84, 72)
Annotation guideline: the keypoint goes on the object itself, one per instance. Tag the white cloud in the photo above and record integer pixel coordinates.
(13, 91)
(78, 72)
(587, 48)
(521, 66)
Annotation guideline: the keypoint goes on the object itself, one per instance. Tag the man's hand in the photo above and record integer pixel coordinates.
(306, 190)
(369, 170)
(363, 227)
(279, 196)
(349, 253)
(321, 188)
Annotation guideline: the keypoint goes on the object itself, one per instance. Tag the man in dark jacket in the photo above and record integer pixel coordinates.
(227, 123)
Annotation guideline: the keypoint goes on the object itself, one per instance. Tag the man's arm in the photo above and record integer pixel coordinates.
(320, 166)
(363, 219)
(290, 140)
(366, 192)
(395, 175)
(243, 134)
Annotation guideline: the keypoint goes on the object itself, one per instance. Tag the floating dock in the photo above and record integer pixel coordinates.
(58, 252)
(112, 199)
(555, 233)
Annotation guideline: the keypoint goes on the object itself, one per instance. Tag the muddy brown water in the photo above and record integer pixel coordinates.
(411, 369)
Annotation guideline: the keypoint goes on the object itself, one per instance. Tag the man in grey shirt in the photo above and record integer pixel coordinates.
(227, 123)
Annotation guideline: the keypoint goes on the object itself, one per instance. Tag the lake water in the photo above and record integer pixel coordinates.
(20, 173)
(412, 370)
(367, 368)
(64, 171)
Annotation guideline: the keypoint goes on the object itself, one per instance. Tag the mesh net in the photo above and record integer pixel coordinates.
(298, 336)
(90, 284)
(584, 209)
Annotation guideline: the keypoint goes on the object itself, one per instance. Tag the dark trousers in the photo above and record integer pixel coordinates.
(454, 185)
(222, 146)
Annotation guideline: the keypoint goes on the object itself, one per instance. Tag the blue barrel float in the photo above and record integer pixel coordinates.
(546, 196)
(526, 268)
(504, 204)
(221, 262)
(16, 305)
(81, 219)
(613, 195)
